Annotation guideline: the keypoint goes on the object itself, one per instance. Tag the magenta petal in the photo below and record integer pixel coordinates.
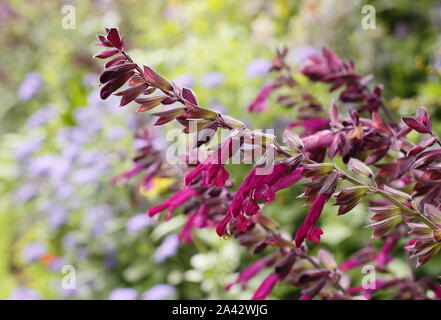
(307, 229)
(220, 229)
(315, 233)
(266, 287)
(173, 202)
(288, 180)
(259, 104)
(248, 273)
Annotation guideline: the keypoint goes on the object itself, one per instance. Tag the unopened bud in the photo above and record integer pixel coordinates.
(360, 168)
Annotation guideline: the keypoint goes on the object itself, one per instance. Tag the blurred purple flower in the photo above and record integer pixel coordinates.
(41, 117)
(132, 121)
(97, 218)
(138, 222)
(57, 264)
(24, 193)
(85, 115)
(110, 260)
(64, 192)
(41, 165)
(116, 133)
(70, 241)
(75, 135)
(258, 68)
(123, 294)
(167, 249)
(56, 216)
(33, 252)
(25, 148)
(301, 54)
(89, 157)
(86, 175)
(30, 85)
(49, 165)
(23, 293)
(213, 79)
(159, 292)
(91, 80)
(61, 168)
(184, 80)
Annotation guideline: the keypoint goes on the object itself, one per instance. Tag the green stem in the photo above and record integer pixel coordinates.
(406, 208)
(385, 195)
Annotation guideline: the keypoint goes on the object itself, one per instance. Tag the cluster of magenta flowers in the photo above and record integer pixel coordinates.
(404, 177)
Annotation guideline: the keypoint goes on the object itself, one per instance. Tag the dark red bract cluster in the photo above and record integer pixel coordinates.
(405, 177)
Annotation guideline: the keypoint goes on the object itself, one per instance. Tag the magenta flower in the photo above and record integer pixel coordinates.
(359, 258)
(197, 219)
(247, 274)
(321, 68)
(258, 188)
(420, 122)
(367, 293)
(259, 104)
(384, 256)
(172, 203)
(266, 287)
(320, 139)
(211, 174)
(308, 230)
(126, 176)
(212, 171)
(311, 126)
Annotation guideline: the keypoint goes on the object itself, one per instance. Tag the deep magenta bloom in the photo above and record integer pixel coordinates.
(349, 264)
(173, 202)
(259, 104)
(367, 293)
(322, 68)
(211, 173)
(197, 219)
(420, 122)
(320, 139)
(247, 274)
(258, 188)
(384, 256)
(308, 230)
(360, 258)
(311, 126)
(266, 287)
(211, 170)
(126, 176)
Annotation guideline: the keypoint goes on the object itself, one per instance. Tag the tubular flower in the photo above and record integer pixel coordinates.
(259, 104)
(258, 188)
(173, 203)
(266, 287)
(212, 171)
(247, 274)
(308, 229)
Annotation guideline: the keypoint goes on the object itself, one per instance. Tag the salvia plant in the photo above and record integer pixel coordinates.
(401, 179)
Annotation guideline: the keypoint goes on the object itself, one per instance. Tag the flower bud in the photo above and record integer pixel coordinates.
(293, 140)
(360, 168)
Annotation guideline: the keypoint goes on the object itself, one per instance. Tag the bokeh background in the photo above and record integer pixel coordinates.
(60, 145)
